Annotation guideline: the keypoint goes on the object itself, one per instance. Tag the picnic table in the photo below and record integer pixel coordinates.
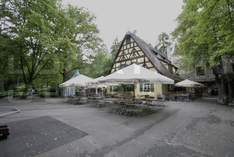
(181, 97)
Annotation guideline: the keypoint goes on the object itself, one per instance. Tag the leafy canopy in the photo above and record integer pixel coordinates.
(43, 41)
(205, 31)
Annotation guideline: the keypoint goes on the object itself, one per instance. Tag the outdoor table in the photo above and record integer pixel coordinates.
(183, 97)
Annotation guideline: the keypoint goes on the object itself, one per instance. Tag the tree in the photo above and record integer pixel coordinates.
(6, 60)
(47, 39)
(100, 65)
(205, 31)
(34, 27)
(204, 34)
(86, 39)
(115, 47)
(164, 43)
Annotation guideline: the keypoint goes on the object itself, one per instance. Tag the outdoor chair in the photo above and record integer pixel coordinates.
(81, 100)
(100, 104)
(183, 97)
(103, 102)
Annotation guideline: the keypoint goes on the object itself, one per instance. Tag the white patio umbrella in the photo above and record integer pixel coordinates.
(80, 80)
(134, 73)
(96, 83)
(189, 84)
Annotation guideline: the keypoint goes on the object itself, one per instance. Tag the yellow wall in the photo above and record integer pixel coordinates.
(159, 90)
(114, 93)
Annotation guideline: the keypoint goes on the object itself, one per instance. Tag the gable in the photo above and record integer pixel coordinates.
(135, 50)
(129, 53)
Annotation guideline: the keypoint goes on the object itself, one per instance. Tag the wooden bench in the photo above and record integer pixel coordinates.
(4, 131)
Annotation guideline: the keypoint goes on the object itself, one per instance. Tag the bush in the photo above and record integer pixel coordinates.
(48, 92)
(3, 94)
(13, 93)
(18, 91)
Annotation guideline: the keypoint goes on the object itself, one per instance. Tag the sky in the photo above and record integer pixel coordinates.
(148, 17)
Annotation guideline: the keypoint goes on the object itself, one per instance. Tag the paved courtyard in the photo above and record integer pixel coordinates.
(53, 128)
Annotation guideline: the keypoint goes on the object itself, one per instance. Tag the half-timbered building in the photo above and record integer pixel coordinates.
(135, 50)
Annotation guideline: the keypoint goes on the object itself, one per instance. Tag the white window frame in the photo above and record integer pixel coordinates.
(146, 87)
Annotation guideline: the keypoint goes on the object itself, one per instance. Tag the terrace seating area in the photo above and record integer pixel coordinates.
(132, 90)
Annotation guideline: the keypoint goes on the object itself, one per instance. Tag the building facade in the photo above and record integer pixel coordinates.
(135, 50)
(204, 74)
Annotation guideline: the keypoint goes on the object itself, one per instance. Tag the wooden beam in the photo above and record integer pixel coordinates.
(129, 59)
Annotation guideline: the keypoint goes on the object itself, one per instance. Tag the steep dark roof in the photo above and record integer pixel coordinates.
(155, 57)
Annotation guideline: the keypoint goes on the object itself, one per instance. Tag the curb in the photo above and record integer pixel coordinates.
(10, 113)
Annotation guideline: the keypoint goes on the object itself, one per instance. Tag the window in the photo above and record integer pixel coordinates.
(128, 87)
(200, 71)
(114, 89)
(147, 87)
(134, 53)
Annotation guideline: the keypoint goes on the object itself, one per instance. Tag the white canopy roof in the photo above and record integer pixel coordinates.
(98, 79)
(96, 83)
(136, 73)
(189, 83)
(80, 80)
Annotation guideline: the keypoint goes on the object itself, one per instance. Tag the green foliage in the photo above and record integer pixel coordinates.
(32, 26)
(3, 94)
(100, 65)
(164, 43)
(115, 47)
(85, 37)
(40, 42)
(205, 31)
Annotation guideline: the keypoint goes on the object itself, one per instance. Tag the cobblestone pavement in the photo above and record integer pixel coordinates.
(184, 129)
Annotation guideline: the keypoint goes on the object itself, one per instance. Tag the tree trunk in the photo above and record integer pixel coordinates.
(2, 86)
(222, 92)
(28, 86)
(230, 92)
(64, 75)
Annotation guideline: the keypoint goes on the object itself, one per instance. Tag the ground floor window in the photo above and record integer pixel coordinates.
(147, 87)
(114, 88)
(122, 88)
(128, 87)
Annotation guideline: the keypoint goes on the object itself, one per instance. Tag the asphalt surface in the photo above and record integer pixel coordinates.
(33, 136)
(5, 110)
(53, 128)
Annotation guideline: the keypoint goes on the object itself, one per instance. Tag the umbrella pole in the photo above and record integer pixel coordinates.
(134, 93)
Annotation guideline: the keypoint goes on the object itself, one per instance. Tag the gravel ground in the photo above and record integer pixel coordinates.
(199, 128)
